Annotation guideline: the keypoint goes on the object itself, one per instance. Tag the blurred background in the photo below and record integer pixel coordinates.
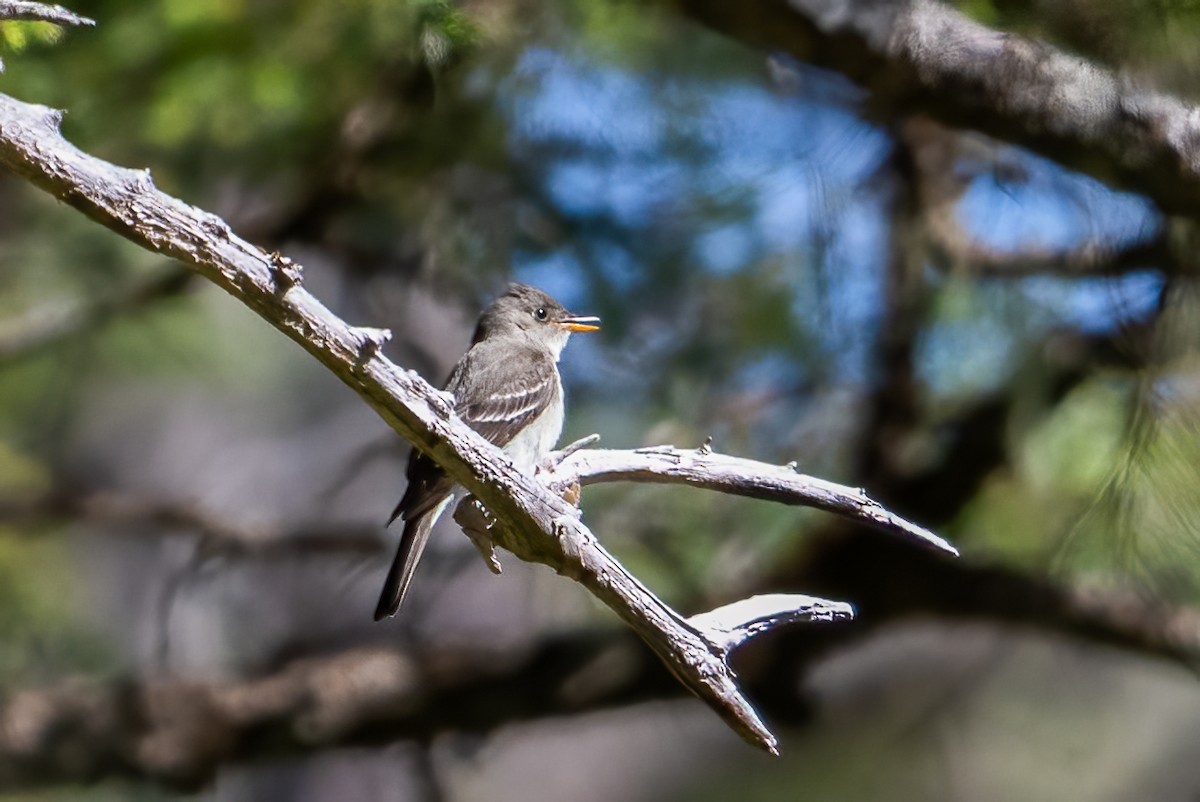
(993, 346)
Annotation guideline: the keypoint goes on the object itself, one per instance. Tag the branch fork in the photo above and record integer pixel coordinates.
(696, 649)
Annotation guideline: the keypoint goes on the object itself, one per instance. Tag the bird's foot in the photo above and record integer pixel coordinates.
(572, 494)
(443, 403)
(476, 523)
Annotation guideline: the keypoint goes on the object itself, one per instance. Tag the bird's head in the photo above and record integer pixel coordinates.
(527, 311)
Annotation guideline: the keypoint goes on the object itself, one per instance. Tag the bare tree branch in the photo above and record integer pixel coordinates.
(734, 624)
(921, 55)
(530, 520)
(40, 12)
(743, 477)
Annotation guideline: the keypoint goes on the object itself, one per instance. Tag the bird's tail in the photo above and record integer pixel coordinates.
(412, 544)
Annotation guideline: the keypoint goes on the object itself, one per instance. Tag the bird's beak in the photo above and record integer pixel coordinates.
(580, 323)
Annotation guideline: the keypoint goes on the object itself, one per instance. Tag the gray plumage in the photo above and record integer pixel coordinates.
(506, 387)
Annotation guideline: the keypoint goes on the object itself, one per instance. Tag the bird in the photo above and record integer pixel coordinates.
(507, 388)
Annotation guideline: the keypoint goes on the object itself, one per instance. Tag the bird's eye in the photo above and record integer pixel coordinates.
(540, 313)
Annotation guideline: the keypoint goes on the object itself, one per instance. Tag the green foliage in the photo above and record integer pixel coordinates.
(1064, 464)
(1098, 499)
(17, 36)
(1073, 450)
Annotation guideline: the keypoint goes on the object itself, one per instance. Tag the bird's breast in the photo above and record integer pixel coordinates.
(539, 437)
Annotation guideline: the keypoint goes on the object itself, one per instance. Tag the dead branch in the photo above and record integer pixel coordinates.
(40, 12)
(529, 519)
(705, 468)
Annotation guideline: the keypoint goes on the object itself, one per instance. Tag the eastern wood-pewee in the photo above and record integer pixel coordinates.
(507, 388)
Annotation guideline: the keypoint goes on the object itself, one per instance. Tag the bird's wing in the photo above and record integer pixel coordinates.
(502, 389)
(499, 388)
(427, 486)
